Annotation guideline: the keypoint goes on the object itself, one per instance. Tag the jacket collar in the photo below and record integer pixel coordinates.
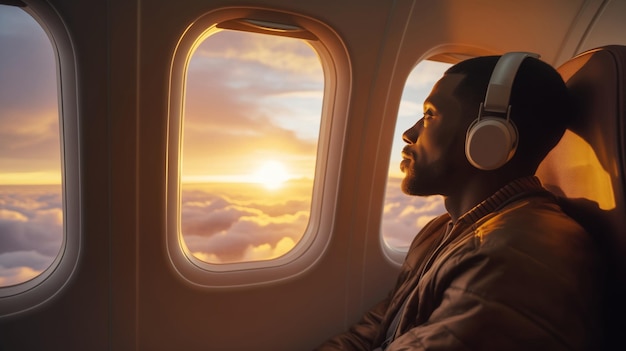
(513, 191)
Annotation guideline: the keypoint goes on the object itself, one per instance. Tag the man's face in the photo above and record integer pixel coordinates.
(434, 158)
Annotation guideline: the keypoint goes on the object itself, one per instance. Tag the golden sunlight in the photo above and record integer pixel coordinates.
(574, 169)
(30, 178)
(271, 175)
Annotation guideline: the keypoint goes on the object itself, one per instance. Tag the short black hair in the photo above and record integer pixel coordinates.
(540, 102)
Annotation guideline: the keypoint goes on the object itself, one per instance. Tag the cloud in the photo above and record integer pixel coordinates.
(404, 216)
(29, 140)
(31, 231)
(16, 275)
(32, 259)
(266, 251)
(222, 229)
(12, 216)
(211, 217)
(275, 53)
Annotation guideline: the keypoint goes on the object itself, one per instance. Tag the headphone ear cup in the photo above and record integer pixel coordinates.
(490, 142)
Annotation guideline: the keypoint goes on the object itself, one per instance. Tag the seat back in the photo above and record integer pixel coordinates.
(588, 166)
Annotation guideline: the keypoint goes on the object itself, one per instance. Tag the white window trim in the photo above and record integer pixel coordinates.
(26, 296)
(309, 250)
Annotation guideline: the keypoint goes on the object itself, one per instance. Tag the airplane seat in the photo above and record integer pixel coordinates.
(588, 167)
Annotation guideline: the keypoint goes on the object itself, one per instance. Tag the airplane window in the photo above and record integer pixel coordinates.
(403, 215)
(31, 210)
(252, 114)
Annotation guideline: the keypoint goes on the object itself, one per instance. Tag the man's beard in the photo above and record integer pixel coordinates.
(426, 182)
(413, 184)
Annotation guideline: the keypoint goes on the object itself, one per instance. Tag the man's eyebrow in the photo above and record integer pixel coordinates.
(428, 105)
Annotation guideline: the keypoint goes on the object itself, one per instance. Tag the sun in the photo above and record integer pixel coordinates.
(271, 175)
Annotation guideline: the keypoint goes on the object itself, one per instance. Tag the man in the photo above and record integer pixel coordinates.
(505, 268)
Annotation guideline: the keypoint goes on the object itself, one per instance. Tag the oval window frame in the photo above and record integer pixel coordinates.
(19, 298)
(337, 78)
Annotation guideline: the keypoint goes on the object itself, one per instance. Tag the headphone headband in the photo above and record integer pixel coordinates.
(501, 82)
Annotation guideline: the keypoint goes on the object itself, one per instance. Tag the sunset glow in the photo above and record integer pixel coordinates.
(272, 175)
(30, 178)
(252, 118)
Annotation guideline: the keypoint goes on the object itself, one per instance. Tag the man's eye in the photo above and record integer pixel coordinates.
(428, 117)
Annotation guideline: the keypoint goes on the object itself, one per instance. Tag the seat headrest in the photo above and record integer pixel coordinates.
(588, 165)
(589, 161)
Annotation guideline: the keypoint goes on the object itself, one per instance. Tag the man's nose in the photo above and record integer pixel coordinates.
(411, 134)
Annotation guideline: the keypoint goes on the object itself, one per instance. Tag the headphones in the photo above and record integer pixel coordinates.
(491, 140)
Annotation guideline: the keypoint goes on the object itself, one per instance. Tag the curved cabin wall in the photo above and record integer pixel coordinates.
(126, 294)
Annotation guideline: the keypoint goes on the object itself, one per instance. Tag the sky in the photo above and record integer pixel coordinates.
(265, 108)
(29, 128)
(251, 123)
(31, 227)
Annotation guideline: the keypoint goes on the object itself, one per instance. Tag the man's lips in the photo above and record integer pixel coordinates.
(404, 164)
(406, 160)
(408, 156)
